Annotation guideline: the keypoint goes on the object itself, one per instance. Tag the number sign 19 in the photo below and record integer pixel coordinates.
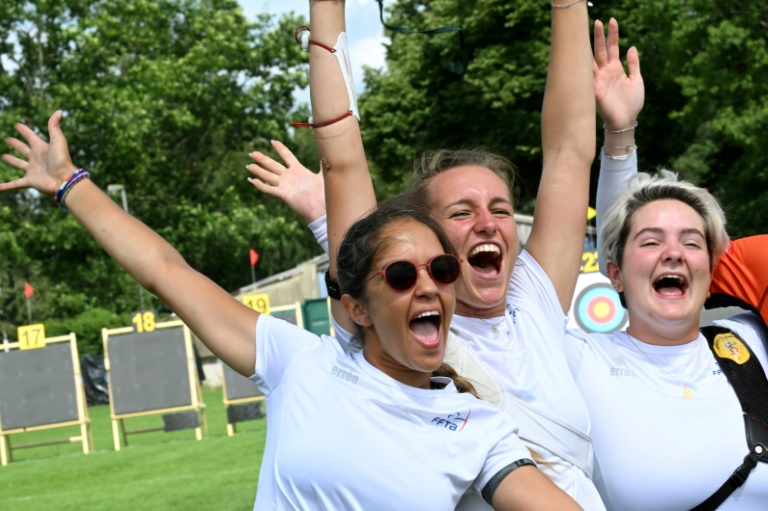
(259, 302)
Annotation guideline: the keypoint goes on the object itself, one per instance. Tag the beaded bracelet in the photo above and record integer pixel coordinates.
(565, 6)
(624, 130)
(67, 185)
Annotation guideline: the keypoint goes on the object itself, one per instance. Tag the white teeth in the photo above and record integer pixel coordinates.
(487, 247)
(675, 277)
(427, 314)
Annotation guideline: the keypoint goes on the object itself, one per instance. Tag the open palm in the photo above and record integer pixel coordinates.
(45, 165)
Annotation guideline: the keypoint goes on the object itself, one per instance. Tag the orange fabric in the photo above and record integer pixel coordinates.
(742, 272)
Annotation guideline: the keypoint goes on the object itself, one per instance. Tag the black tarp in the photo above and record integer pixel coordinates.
(94, 379)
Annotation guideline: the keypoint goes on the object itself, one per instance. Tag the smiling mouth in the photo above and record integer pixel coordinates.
(485, 259)
(426, 329)
(671, 286)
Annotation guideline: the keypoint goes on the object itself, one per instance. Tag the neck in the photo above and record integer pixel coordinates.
(469, 311)
(397, 372)
(667, 338)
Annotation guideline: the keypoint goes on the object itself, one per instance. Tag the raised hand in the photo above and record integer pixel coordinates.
(620, 96)
(293, 183)
(46, 165)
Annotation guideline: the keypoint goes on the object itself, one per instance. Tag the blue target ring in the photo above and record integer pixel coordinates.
(598, 309)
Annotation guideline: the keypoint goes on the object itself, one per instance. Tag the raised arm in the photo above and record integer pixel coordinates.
(568, 143)
(226, 326)
(348, 187)
(620, 97)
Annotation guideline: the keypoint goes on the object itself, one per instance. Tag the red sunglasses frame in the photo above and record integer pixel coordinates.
(428, 265)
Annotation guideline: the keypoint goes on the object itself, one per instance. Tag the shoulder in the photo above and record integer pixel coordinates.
(530, 287)
(750, 328)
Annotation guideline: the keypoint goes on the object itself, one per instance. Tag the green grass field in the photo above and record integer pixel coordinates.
(156, 471)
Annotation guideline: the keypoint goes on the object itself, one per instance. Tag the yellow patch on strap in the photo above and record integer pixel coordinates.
(728, 346)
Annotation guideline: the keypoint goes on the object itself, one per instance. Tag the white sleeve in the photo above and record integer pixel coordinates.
(505, 454)
(277, 342)
(531, 284)
(319, 228)
(615, 176)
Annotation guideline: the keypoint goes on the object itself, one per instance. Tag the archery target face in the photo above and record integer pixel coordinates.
(598, 309)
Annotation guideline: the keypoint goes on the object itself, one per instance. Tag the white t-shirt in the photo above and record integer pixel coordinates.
(343, 435)
(527, 359)
(655, 449)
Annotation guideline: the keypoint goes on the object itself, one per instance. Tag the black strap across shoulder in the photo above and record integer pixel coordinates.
(747, 377)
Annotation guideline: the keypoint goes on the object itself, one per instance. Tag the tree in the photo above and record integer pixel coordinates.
(705, 66)
(422, 103)
(166, 97)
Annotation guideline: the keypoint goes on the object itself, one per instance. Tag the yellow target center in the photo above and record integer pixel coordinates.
(602, 310)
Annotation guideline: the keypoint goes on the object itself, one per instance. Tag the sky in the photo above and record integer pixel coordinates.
(364, 31)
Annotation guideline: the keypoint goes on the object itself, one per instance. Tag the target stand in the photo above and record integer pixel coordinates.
(42, 388)
(153, 372)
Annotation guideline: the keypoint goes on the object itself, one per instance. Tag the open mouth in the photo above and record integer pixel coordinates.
(670, 285)
(485, 259)
(426, 329)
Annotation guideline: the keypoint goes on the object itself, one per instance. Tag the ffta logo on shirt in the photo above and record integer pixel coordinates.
(453, 421)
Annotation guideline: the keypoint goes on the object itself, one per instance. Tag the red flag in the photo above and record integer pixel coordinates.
(28, 290)
(254, 257)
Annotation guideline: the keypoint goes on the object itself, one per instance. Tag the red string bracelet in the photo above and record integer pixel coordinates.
(321, 124)
(304, 28)
(305, 44)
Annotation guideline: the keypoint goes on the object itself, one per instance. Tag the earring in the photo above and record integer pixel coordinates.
(616, 286)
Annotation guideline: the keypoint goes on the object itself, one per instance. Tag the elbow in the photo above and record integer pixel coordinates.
(160, 270)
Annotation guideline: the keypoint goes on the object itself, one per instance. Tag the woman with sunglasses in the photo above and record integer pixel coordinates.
(376, 428)
(509, 328)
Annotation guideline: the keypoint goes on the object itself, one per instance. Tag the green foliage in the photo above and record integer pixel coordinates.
(87, 326)
(167, 98)
(421, 103)
(705, 65)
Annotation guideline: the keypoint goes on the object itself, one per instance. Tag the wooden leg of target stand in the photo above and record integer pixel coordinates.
(203, 426)
(116, 434)
(124, 431)
(4, 448)
(85, 437)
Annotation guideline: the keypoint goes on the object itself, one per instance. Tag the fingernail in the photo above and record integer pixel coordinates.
(250, 180)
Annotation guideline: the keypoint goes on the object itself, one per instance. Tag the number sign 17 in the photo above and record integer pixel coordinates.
(31, 336)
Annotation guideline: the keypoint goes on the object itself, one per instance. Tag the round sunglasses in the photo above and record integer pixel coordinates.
(402, 275)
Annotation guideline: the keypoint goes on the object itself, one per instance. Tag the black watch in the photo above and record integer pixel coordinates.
(334, 290)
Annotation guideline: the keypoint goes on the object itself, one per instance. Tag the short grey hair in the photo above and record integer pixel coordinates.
(645, 189)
